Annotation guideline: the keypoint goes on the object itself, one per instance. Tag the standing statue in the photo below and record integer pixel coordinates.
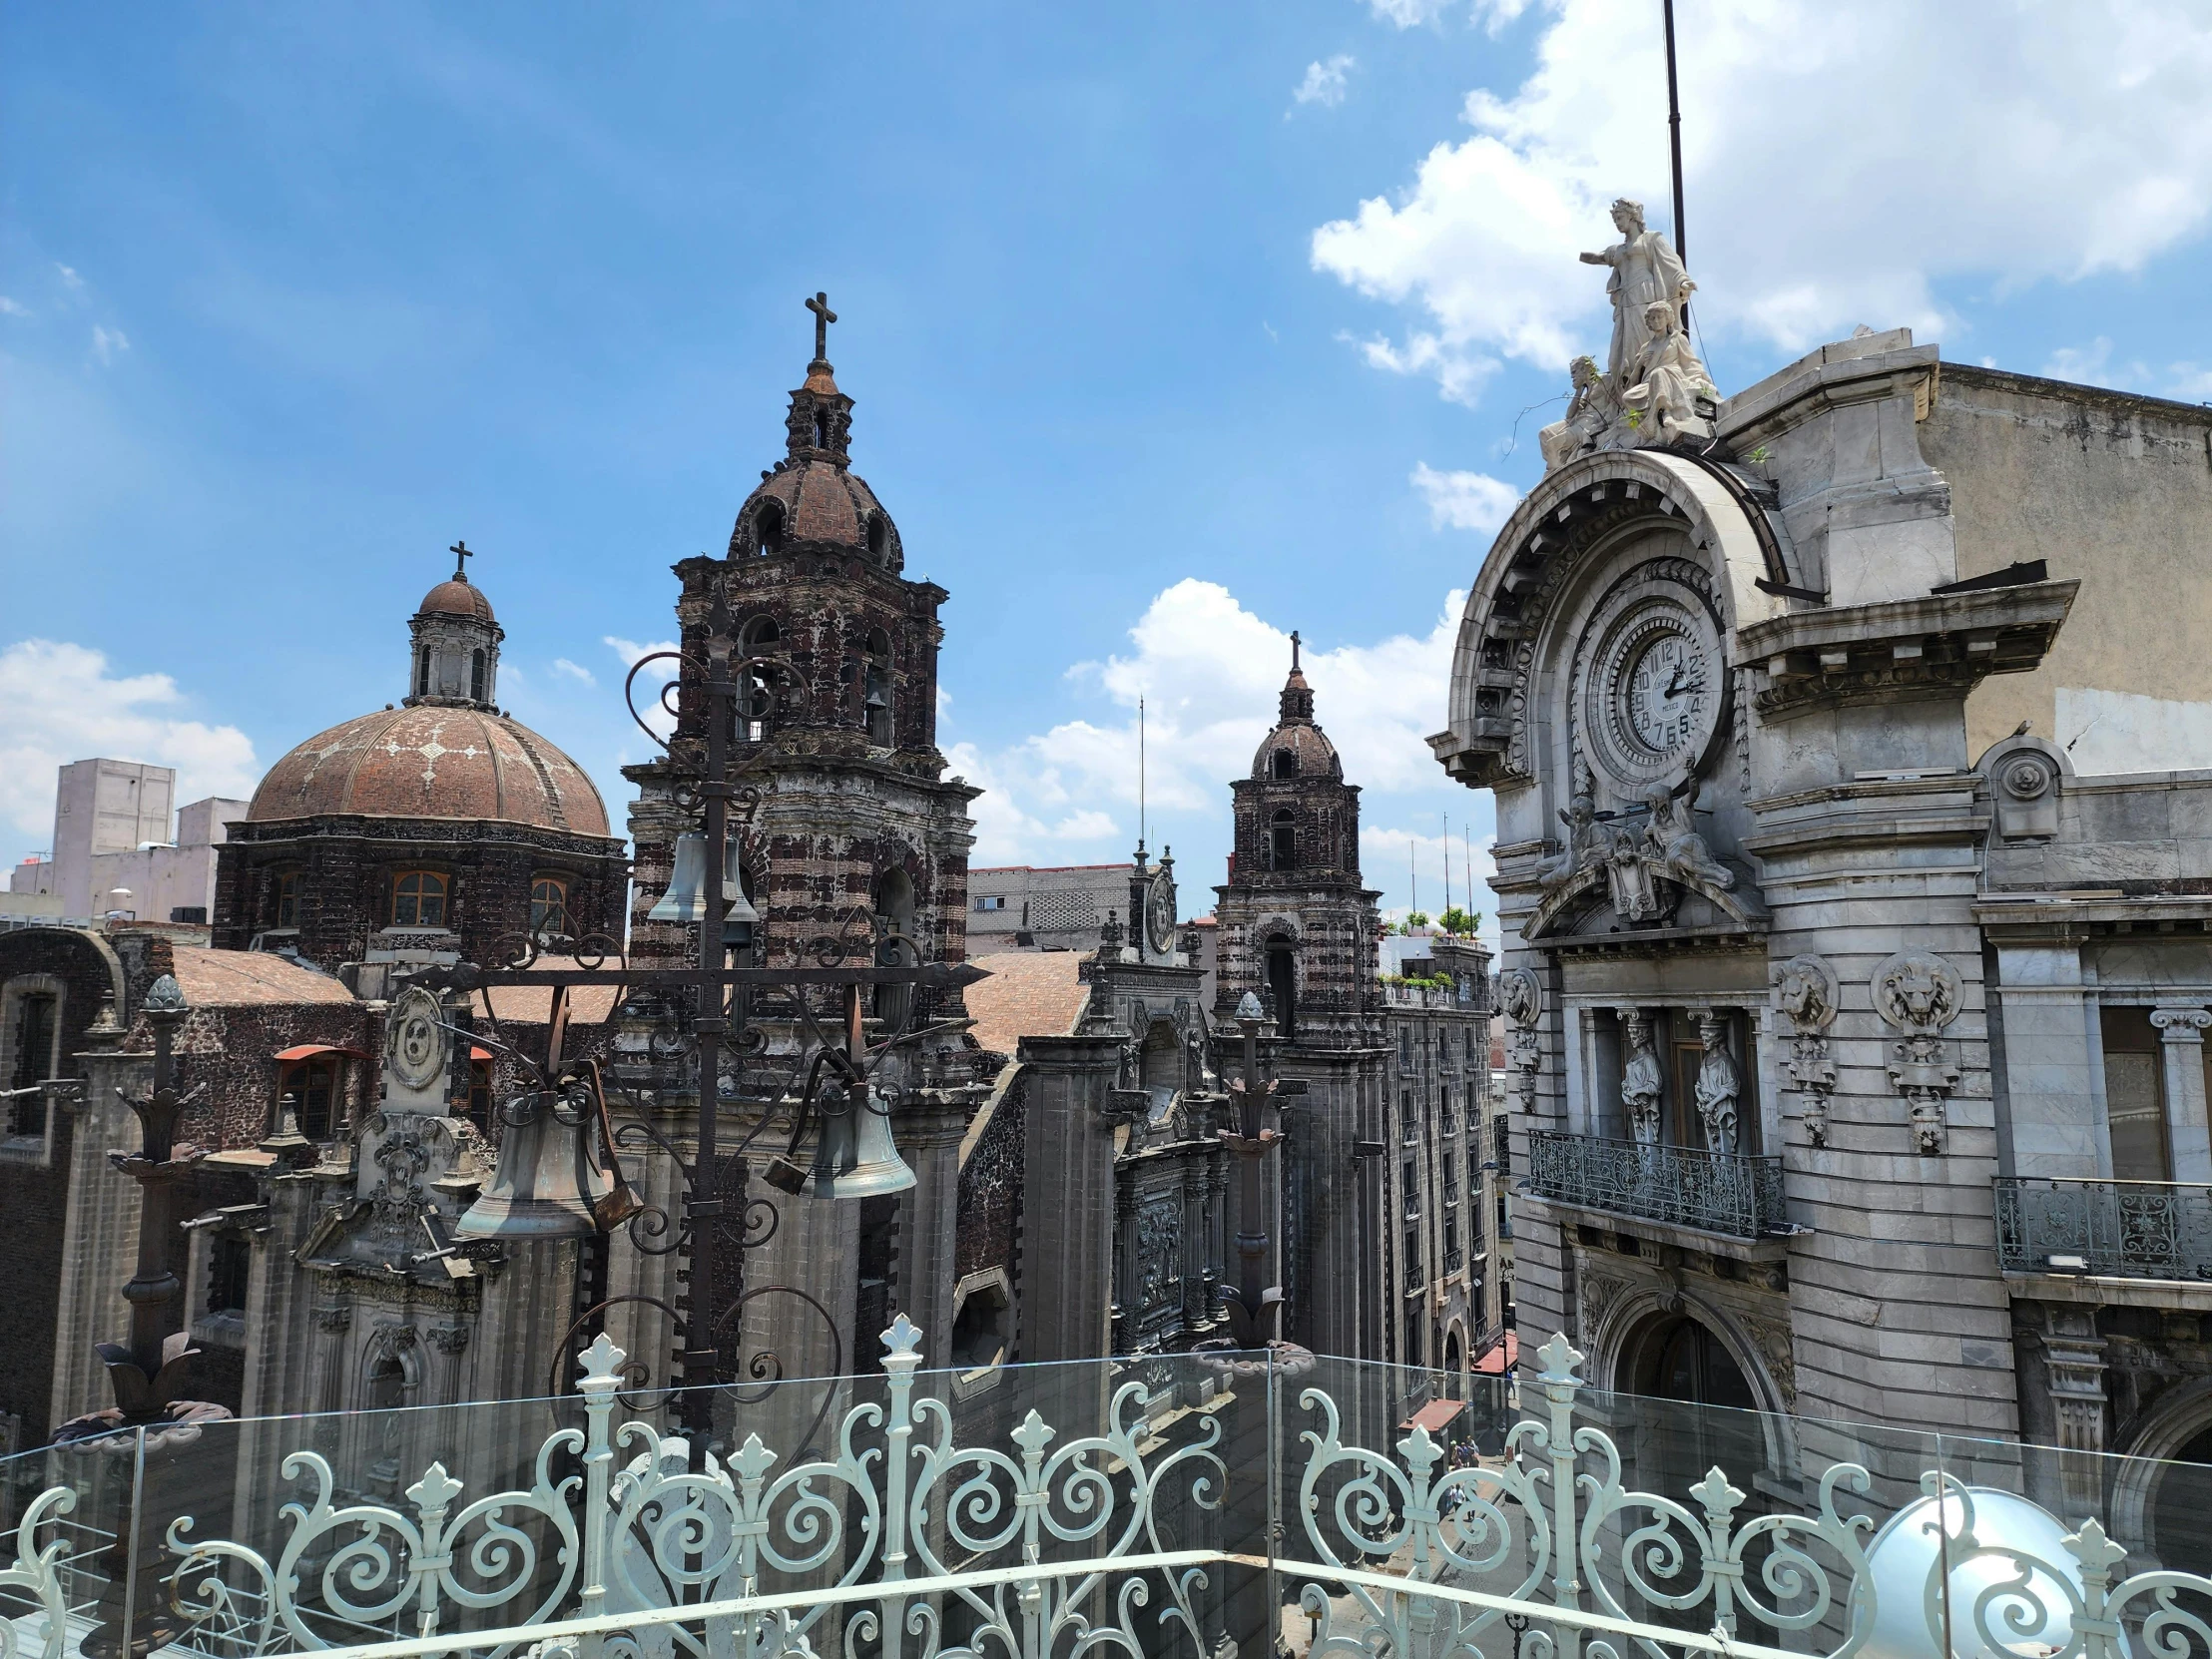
(1718, 1084)
(1667, 380)
(1640, 1078)
(1645, 271)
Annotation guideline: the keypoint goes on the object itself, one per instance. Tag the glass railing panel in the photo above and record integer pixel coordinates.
(71, 1505)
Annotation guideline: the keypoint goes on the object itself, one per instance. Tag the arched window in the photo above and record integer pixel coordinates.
(767, 527)
(894, 906)
(386, 1383)
(423, 672)
(1282, 984)
(418, 899)
(878, 535)
(1285, 764)
(34, 1049)
(1160, 1062)
(756, 707)
(1283, 841)
(476, 676)
(876, 702)
(548, 906)
(822, 428)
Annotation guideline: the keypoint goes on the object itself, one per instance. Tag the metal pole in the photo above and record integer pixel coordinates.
(1674, 141)
(700, 1301)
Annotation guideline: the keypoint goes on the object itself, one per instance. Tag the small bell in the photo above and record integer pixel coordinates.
(686, 899)
(855, 1154)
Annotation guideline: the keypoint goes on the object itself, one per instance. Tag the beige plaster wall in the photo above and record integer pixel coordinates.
(2116, 491)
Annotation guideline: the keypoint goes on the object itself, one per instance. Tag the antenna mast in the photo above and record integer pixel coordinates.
(1674, 142)
(1140, 772)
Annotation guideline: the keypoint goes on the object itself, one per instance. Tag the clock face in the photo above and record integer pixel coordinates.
(1159, 913)
(1651, 685)
(1665, 692)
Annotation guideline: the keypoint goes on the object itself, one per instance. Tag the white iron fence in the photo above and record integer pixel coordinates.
(1197, 1505)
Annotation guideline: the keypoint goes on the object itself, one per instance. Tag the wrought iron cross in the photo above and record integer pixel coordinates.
(1294, 650)
(824, 317)
(462, 553)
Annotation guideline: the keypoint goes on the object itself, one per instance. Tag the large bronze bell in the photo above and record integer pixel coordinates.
(855, 1154)
(541, 1189)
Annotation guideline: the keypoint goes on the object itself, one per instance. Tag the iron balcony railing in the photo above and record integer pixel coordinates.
(1170, 1507)
(1714, 1191)
(2118, 1229)
(1454, 1262)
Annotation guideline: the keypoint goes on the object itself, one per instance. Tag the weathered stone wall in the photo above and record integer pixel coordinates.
(2112, 489)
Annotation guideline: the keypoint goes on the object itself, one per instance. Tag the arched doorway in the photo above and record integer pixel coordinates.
(1282, 984)
(1160, 1064)
(1456, 1358)
(1684, 1361)
(2181, 1507)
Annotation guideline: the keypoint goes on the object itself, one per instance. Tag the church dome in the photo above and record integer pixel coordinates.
(1296, 747)
(432, 761)
(456, 596)
(813, 500)
(1310, 753)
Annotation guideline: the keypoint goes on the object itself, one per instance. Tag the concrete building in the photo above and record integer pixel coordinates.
(172, 880)
(1855, 869)
(1049, 907)
(101, 807)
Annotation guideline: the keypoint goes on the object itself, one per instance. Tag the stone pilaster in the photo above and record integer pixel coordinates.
(1067, 1239)
(2181, 1042)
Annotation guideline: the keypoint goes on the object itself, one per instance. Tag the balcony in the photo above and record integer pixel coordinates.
(1454, 1262)
(1094, 1506)
(2105, 1229)
(1706, 1192)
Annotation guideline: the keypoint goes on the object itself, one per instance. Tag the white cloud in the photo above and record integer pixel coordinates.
(576, 671)
(1464, 501)
(649, 685)
(1210, 673)
(1408, 14)
(2189, 381)
(1412, 861)
(1460, 375)
(65, 705)
(9, 307)
(70, 279)
(108, 344)
(1325, 82)
(1838, 163)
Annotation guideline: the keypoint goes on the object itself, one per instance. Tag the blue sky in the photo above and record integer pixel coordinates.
(291, 297)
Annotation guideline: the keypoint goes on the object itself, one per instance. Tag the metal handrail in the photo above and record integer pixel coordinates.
(1714, 1191)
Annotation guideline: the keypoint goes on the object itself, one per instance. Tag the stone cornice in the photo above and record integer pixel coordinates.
(1817, 385)
(1936, 645)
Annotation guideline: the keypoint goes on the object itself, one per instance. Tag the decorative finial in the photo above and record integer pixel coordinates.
(824, 317)
(462, 553)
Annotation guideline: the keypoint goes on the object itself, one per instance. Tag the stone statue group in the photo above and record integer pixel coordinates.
(1653, 383)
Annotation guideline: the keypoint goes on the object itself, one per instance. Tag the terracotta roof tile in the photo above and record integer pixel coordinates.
(1030, 993)
(242, 978)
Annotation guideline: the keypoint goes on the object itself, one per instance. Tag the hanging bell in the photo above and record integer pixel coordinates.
(686, 899)
(542, 1187)
(854, 1153)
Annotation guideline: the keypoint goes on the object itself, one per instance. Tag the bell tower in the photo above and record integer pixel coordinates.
(454, 660)
(853, 845)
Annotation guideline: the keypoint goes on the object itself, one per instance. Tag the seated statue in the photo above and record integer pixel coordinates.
(1593, 407)
(1676, 847)
(1667, 380)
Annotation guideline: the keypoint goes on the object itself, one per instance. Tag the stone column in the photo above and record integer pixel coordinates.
(929, 1128)
(1067, 1234)
(2181, 1039)
(2073, 1360)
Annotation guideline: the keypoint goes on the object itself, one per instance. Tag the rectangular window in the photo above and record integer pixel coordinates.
(1407, 1128)
(288, 899)
(2135, 1096)
(1405, 1049)
(313, 1086)
(1469, 1034)
(1451, 1238)
(991, 901)
(1409, 1186)
(230, 1267)
(1412, 1256)
(1412, 1356)
(36, 1019)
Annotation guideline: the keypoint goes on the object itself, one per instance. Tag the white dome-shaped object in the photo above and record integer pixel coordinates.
(1901, 1561)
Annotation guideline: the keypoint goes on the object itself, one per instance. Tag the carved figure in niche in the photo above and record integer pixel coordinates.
(1640, 1078)
(1646, 271)
(1667, 380)
(1680, 851)
(1587, 840)
(1594, 408)
(1718, 1084)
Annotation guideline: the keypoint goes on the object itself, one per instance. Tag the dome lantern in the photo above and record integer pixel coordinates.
(454, 655)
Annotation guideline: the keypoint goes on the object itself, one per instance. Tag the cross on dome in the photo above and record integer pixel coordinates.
(462, 553)
(824, 317)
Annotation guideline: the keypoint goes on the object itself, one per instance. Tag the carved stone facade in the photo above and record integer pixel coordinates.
(1767, 915)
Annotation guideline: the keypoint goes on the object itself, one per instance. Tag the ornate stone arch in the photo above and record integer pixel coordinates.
(2155, 1437)
(1615, 1330)
(1577, 512)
